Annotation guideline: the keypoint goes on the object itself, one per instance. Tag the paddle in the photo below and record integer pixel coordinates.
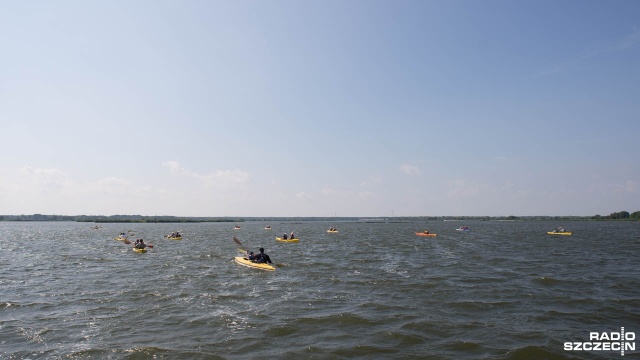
(245, 249)
(239, 243)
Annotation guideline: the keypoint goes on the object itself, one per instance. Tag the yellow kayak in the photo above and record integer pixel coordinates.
(175, 238)
(287, 240)
(332, 231)
(139, 250)
(559, 232)
(240, 260)
(425, 234)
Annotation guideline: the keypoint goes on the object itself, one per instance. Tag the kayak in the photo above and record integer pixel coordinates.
(462, 229)
(120, 238)
(268, 228)
(332, 231)
(287, 240)
(423, 234)
(240, 260)
(559, 232)
(175, 238)
(139, 250)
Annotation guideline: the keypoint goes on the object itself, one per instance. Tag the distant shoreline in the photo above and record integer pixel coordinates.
(619, 216)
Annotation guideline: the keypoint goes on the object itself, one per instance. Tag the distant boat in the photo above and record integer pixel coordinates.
(559, 232)
(424, 233)
(237, 227)
(287, 240)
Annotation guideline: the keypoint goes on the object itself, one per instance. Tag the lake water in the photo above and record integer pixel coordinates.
(504, 290)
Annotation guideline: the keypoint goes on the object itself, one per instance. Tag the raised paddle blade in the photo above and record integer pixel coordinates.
(150, 246)
(239, 243)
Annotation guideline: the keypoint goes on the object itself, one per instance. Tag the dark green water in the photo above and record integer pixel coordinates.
(504, 290)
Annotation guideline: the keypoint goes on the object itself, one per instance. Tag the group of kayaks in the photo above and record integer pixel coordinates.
(244, 261)
(559, 231)
(427, 233)
(125, 238)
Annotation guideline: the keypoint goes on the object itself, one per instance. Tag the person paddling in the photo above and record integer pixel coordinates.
(262, 257)
(140, 244)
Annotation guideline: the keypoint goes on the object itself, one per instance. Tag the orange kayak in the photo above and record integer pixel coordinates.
(423, 234)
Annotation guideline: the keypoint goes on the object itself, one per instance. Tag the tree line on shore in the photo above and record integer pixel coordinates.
(621, 215)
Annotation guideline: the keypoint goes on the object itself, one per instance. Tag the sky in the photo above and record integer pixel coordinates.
(320, 108)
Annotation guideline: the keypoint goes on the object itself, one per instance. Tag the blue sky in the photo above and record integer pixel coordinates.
(320, 108)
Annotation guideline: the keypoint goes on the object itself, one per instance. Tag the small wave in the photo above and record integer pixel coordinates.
(9, 304)
(343, 319)
(476, 325)
(536, 352)
(546, 281)
(363, 350)
(431, 328)
(585, 317)
(480, 305)
(281, 331)
(405, 339)
(461, 345)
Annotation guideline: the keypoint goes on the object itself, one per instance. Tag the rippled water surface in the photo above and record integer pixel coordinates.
(504, 290)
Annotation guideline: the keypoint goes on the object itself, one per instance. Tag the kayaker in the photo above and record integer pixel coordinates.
(262, 257)
(292, 236)
(140, 244)
(426, 231)
(250, 255)
(284, 237)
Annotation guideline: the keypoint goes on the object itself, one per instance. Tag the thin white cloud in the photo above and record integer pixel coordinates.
(224, 178)
(410, 169)
(366, 195)
(303, 195)
(44, 178)
(220, 178)
(374, 180)
(175, 168)
(111, 185)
